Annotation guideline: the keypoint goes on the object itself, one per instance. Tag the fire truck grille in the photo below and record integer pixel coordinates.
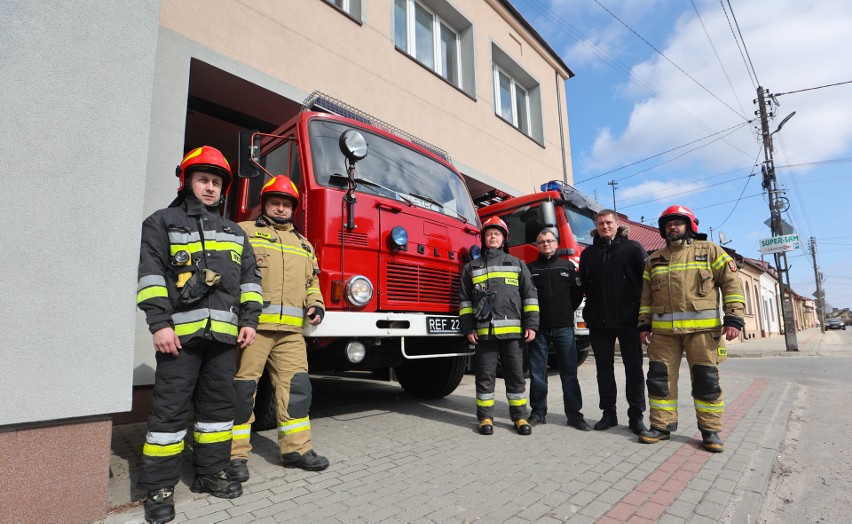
(350, 238)
(419, 285)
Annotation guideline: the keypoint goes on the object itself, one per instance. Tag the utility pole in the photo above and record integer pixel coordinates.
(614, 184)
(776, 205)
(820, 294)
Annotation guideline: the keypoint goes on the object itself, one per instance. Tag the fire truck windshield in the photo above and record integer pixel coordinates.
(581, 225)
(390, 170)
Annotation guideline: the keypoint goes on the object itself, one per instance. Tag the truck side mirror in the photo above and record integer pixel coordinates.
(249, 154)
(548, 218)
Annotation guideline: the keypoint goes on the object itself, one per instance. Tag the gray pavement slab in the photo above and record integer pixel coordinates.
(399, 459)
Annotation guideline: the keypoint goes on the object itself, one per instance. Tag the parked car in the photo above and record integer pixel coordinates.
(833, 323)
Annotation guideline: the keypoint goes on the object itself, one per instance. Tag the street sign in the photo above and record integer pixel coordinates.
(786, 228)
(779, 244)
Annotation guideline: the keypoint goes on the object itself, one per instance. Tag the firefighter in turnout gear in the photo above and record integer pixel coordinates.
(682, 287)
(498, 308)
(201, 296)
(291, 296)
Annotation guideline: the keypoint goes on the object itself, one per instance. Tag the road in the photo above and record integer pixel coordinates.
(811, 479)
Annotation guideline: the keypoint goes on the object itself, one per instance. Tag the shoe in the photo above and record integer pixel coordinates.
(310, 461)
(637, 426)
(160, 506)
(653, 435)
(238, 470)
(217, 484)
(579, 423)
(608, 420)
(523, 427)
(486, 426)
(712, 442)
(536, 419)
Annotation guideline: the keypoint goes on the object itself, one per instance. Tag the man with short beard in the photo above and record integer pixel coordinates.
(679, 313)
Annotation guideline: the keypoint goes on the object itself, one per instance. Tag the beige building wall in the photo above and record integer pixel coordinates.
(311, 45)
(751, 285)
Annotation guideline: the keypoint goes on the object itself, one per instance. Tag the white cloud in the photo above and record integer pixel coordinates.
(794, 44)
(656, 190)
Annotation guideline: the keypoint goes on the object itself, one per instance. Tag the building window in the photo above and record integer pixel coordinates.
(439, 37)
(350, 7)
(517, 96)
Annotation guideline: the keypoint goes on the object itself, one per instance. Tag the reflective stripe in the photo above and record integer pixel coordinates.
(663, 405)
(162, 439)
(709, 407)
(485, 396)
(498, 330)
(312, 290)
(686, 324)
(188, 322)
(528, 309)
(294, 426)
(494, 275)
(212, 438)
(251, 293)
(247, 288)
(659, 270)
(191, 315)
(517, 399)
(178, 237)
(213, 241)
(150, 280)
(285, 315)
(719, 262)
(645, 309)
(243, 431)
(646, 275)
(214, 426)
(152, 292)
(466, 311)
(223, 327)
(275, 246)
(483, 403)
(511, 271)
(733, 298)
(156, 450)
(465, 303)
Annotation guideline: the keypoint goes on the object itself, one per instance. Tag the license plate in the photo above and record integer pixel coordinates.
(442, 325)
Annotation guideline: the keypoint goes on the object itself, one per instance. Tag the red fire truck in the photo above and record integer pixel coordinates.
(392, 223)
(559, 207)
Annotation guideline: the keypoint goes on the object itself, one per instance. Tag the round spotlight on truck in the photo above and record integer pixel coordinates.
(359, 290)
(399, 236)
(355, 351)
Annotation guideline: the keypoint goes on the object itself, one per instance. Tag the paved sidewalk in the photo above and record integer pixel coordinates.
(398, 459)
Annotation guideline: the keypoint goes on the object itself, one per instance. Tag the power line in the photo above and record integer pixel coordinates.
(813, 88)
(752, 70)
(669, 60)
(640, 195)
(748, 179)
(732, 128)
(693, 190)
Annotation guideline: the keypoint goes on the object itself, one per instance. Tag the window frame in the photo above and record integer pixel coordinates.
(438, 22)
(351, 8)
(514, 86)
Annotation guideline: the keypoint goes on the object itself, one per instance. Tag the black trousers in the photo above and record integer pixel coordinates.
(512, 359)
(204, 372)
(603, 345)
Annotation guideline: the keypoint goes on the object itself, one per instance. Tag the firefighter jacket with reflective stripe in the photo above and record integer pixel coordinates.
(558, 285)
(180, 241)
(683, 284)
(287, 264)
(514, 301)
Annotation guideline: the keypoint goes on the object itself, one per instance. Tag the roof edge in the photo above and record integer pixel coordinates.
(535, 34)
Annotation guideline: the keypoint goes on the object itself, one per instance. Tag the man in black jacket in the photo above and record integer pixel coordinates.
(611, 272)
(559, 296)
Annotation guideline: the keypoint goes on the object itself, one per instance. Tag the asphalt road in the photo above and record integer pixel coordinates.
(811, 479)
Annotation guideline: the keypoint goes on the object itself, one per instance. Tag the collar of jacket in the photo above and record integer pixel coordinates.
(265, 221)
(620, 233)
(547, 260)
(195, 207)
(493, 252)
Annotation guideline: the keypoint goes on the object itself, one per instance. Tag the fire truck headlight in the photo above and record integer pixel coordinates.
(359, 290)
(355, 351)
(399, 236)
(475, 251)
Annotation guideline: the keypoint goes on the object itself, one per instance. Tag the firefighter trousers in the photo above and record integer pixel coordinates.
(284, 355)
(704, 351)
(205, 371)
(511, 357)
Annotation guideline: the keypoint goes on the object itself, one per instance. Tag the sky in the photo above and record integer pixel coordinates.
(661, 103)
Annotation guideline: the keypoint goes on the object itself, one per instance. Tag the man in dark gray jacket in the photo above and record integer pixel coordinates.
(611, 272)
(498, 307)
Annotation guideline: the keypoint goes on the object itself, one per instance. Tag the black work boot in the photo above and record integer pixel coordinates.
(712, 442)
(160, 506)
(608, 420)
(653, 435)
(578, 422)
(310, 461)
(637, 426)
(238, 470)
(217, 484)
(523, 427)
(536, 419)
(486, 426)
